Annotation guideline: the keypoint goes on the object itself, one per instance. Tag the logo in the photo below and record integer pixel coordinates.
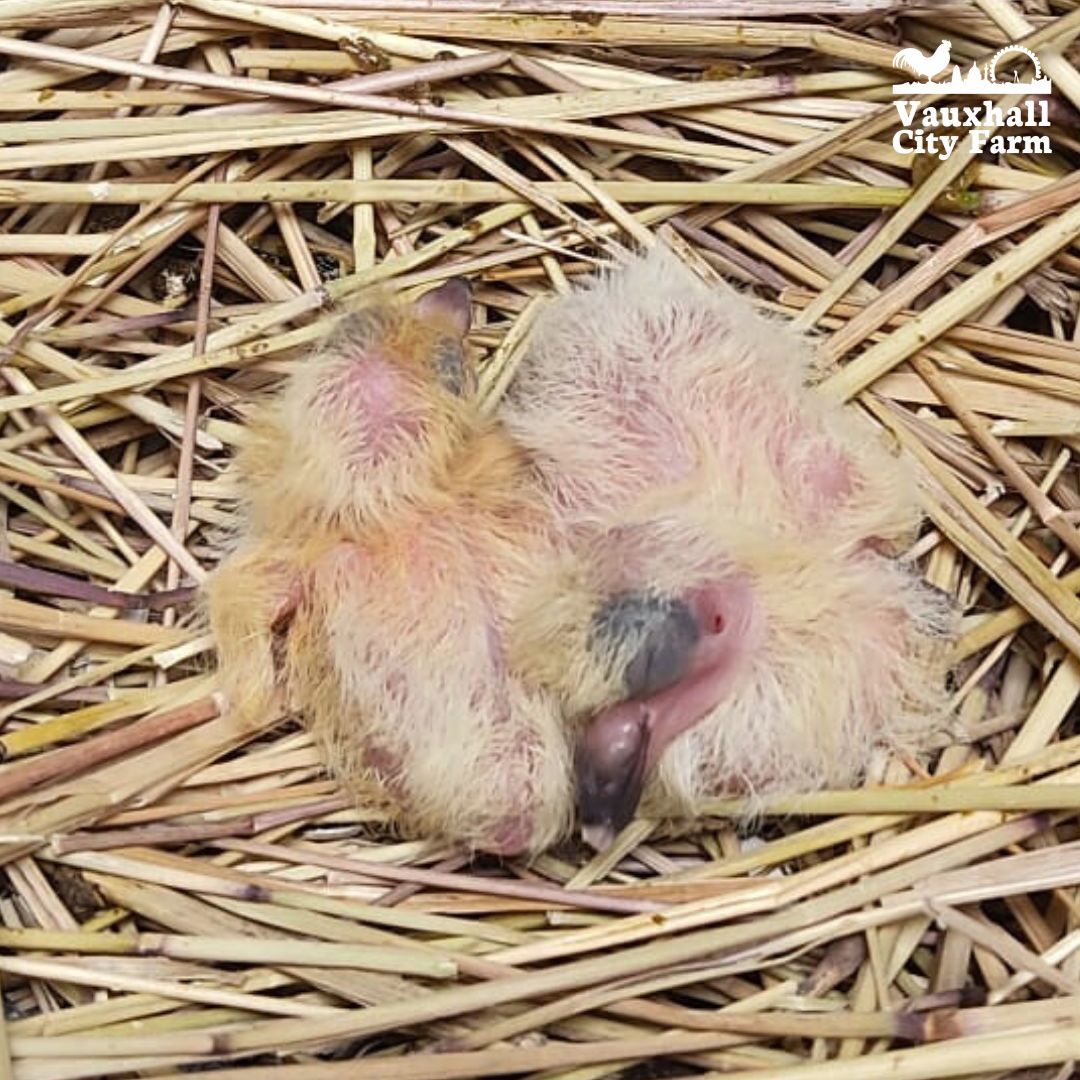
(925, 130)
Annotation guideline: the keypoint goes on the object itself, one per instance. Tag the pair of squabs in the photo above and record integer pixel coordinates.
(662, 572)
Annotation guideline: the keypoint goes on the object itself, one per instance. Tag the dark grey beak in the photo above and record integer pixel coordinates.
(610, 780)
(451, 301)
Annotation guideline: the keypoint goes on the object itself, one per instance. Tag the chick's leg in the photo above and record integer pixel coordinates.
(250, 600)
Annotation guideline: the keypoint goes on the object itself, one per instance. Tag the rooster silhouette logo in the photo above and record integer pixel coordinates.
(913, 61)
(977, 80)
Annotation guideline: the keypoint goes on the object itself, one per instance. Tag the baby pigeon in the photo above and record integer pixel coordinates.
(388, 532)
(720, 612)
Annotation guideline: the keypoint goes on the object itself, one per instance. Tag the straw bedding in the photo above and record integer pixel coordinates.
(186, 190)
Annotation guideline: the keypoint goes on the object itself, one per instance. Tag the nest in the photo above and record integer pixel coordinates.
(187, 190)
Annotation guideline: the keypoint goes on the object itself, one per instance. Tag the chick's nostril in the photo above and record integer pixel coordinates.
(652, 636)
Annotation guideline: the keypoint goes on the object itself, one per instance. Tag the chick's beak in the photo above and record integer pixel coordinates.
(448, 305)
(610, 765)
(598, 837)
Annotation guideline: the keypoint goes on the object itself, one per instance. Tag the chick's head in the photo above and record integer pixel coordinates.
(372, 421)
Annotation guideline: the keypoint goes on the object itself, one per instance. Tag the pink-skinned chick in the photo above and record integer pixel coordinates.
(723, 613)
(386, 535)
